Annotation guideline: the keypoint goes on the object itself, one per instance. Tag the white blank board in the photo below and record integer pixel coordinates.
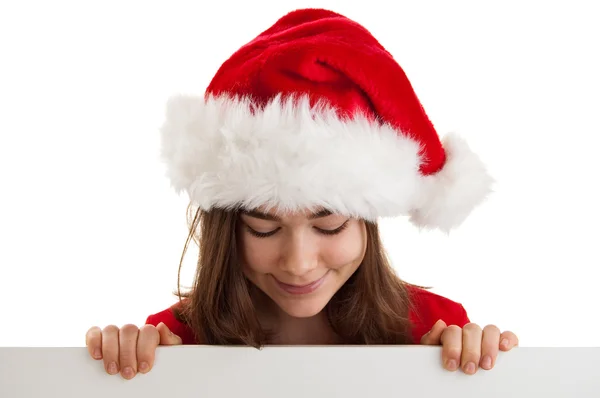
(291, 372)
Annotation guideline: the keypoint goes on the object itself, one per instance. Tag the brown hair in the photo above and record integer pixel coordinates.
(371, 308)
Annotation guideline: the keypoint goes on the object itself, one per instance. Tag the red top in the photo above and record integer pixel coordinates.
(430, 307)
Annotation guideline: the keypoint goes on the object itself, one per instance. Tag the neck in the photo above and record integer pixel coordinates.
(303, 331)
(289, 330)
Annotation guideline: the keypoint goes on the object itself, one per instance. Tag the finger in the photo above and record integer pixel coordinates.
(128, 336)
(148, 340)
(489, 346)
(451, 340)
(166, 336)
(471, 348)
(433, 336)
(110, 349)
(93, 341)
(508, 340)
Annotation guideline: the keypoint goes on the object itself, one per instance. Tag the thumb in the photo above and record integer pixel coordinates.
(166, 336)
(433, 337)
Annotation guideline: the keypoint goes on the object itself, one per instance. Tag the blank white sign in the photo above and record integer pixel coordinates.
(294, 372)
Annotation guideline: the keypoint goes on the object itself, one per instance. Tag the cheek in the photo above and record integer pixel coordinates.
(257, 256)
(347, 250)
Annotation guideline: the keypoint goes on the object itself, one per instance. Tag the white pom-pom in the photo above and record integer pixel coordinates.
(448, 197)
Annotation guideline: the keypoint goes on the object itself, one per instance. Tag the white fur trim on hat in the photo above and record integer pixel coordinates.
(225, 152)
(449, 196)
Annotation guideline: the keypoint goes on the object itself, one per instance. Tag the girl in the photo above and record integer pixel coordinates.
(305, 137)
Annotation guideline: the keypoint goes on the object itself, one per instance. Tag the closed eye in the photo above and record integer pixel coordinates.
(333, 231)
(261, 234)
(328, 232)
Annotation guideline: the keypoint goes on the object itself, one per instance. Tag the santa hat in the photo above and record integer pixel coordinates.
(315, 113)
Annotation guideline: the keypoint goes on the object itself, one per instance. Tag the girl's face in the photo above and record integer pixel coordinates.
(300, 260)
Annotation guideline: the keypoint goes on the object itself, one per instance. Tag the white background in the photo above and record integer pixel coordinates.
(91, 233)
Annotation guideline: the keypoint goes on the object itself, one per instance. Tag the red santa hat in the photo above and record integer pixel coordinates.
(315, 113)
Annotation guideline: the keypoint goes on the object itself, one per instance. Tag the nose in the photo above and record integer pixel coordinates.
(300, 255)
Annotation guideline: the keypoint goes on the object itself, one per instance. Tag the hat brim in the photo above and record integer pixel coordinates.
(290, 155)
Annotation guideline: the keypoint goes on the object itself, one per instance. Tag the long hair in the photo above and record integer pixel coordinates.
(372, 307)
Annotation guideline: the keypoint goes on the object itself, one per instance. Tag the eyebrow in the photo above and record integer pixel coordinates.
(270, 217)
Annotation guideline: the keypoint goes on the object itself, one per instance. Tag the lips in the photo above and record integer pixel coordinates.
(300, 289)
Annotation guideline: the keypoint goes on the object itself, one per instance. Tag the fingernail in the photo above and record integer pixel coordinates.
(112, 368)
(470, 368)
(451, 364)
(97, 353)
(504, 343)
(143, 366)
(128, 372)
(487, 362)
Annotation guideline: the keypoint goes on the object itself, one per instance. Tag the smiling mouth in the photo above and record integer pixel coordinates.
(300, 289)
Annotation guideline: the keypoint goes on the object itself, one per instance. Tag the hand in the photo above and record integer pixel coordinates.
(469, 347)
(128, 349)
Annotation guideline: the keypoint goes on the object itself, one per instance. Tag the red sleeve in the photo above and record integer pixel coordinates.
(168, 318)
(429, 308)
